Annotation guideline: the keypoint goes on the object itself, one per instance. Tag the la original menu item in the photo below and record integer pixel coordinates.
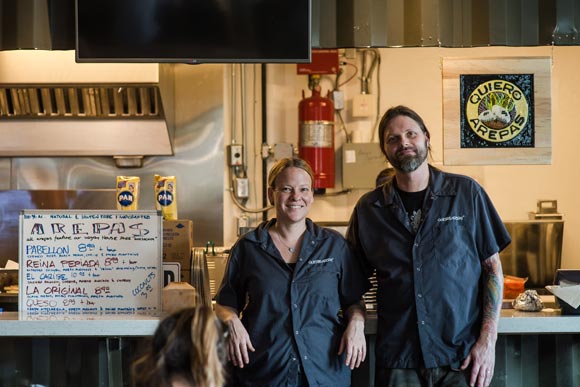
(90, 262)
(166, 196)
(128, 192)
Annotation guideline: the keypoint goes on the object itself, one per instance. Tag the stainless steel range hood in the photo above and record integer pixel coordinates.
(88, 120)
(52, 106)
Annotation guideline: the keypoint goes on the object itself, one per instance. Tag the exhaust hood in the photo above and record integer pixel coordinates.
(52, 106)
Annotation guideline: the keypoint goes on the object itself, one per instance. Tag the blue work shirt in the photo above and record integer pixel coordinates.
(429, 295)
(293, 317)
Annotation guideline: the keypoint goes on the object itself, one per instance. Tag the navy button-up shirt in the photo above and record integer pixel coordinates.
(429, 295)
(293, 317)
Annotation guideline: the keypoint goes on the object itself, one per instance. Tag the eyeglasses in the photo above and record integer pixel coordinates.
(291, 190)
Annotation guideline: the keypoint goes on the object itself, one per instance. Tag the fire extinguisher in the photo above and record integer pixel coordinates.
(316, 137)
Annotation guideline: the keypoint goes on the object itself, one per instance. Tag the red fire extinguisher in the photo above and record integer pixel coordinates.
(316, 137)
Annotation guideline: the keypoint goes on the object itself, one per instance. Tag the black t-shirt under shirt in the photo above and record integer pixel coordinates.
(413, 202)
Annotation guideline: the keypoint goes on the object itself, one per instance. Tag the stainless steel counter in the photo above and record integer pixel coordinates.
(534, 349)
(512, 321)
(547, 321)
(100, 326)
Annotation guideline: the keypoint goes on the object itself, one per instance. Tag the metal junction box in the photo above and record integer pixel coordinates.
(361, 163)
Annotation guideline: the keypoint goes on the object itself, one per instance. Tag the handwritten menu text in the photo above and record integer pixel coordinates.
(79, 262)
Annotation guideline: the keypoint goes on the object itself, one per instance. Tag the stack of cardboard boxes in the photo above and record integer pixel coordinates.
(178, 245)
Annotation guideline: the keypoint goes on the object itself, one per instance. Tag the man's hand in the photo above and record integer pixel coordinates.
(482, 355)
(482, 361)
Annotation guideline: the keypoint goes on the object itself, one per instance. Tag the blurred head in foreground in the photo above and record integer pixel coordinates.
(187, 350)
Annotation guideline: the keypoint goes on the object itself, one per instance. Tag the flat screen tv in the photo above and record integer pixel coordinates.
(193, 31)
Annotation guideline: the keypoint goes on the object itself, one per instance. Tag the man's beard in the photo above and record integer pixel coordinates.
(409, 163)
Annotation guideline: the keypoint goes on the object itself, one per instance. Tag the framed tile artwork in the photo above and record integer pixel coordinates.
(497, 111)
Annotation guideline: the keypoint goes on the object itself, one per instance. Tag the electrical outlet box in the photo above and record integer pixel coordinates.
(283, 150)
(242, 187)
(361, 163)
(243, 224)
(364, 105)
(235, 155)
(350, 53)
(338, 99)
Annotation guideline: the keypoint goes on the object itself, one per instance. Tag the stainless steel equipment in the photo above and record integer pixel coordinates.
(207, 270)
(88, 120)
(12, 202)
(107, 110)
(546, 209)
(535, 251)
(198, 162)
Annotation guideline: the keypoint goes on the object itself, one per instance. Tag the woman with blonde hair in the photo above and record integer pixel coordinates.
(187, 350)
(291, 294)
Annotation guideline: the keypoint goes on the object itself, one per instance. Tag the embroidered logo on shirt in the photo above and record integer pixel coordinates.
(456, 218)
(320, 261)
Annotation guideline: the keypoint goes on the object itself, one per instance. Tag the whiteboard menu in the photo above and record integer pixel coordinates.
(90, 262)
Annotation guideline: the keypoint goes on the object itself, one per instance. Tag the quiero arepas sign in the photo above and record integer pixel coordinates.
(497, 111)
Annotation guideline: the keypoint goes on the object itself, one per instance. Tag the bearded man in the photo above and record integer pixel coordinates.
(434, 240)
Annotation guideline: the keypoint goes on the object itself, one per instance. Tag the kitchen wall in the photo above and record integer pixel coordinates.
(412, 76)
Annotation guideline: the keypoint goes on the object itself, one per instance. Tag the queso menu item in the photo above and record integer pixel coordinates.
(90, 262)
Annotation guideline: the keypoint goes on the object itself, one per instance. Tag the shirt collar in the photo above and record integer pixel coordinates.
(439, 185)
(260, 233)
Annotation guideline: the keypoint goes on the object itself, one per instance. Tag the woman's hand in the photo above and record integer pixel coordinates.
(353, 339)
(239, 343)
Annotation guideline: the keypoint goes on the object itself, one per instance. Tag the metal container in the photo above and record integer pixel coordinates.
(216, 259)
(535, 251)
(8, 277)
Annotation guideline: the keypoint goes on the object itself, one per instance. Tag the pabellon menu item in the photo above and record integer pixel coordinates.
(128, 192)
(166, 196)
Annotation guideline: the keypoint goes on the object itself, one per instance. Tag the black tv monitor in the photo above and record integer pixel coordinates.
(193, 31)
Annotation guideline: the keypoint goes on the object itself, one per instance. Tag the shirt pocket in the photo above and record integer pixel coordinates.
(451, 244)
(323, 279)
(322, 268)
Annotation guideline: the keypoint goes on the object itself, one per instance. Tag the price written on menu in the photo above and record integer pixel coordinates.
(79, 262)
